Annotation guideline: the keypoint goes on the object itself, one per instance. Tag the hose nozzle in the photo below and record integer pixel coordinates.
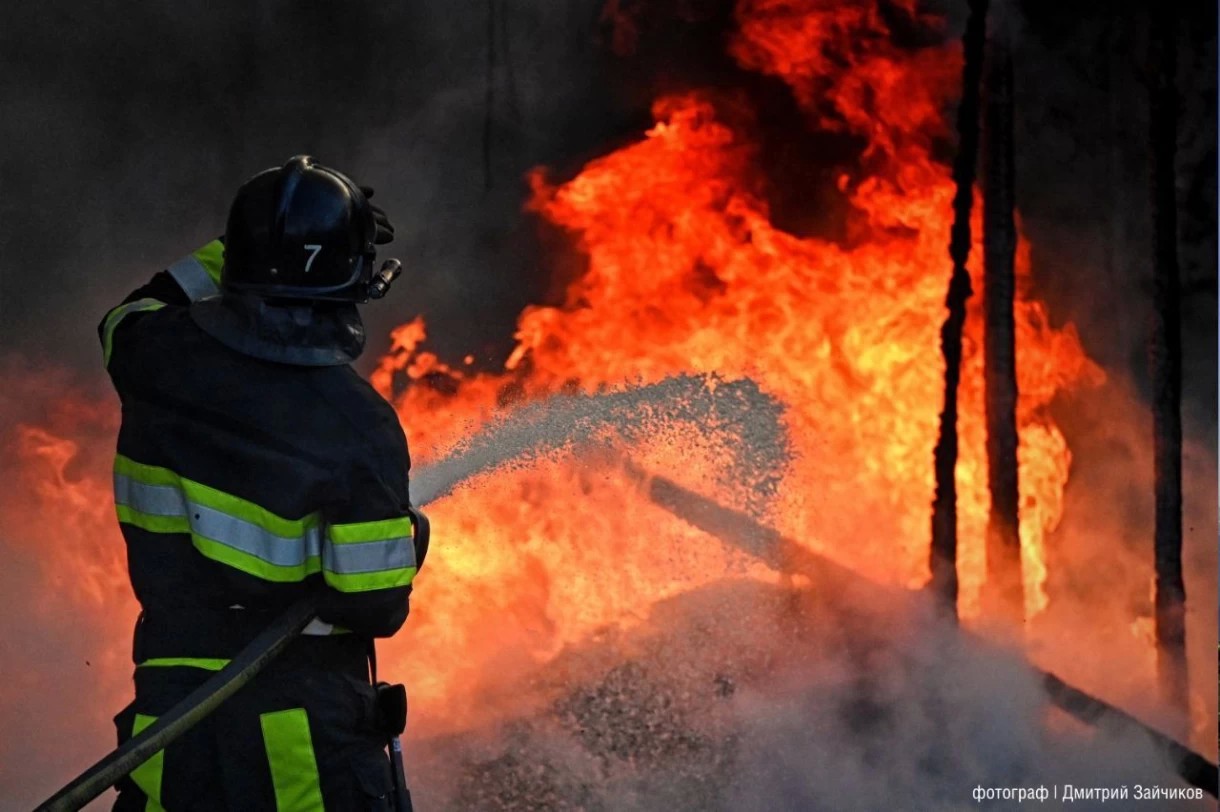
(384, 278)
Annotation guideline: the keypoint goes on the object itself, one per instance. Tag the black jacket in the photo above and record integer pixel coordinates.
(241, 483)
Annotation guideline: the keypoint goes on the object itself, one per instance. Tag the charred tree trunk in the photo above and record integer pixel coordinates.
(944, 506)
(1166, 361)
(1004, 583)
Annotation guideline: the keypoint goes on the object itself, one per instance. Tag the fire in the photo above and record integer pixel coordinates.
(64, 576)
(60, 489)
(687, 273)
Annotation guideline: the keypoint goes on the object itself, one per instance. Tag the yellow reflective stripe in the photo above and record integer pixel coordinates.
(382, 530)
(148, 775)
(117, 315)
(206, 663)
(368, 581)
(148, 474)
(153, 524)
(212, 258)
(216, 499)
(294, 770)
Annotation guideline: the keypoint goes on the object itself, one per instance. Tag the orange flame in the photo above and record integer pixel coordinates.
(687, 273)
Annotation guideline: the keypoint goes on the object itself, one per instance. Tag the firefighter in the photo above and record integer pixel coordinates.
(254, 465)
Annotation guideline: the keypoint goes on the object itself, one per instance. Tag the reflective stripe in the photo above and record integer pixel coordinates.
(152, 500)
(294, 770)
(199, 273)
(249, 538)
(366, 582)
(224, 553)
(222, 527)
(197, 492)
(148, 775)
(250, 547)
(117, 315)
(370, 531)
(371, 556)
(357, 557)
(206, 663)
(153, 524)
(212, 258)
(364, 556)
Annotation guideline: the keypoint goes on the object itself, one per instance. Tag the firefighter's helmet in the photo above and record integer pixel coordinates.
(300, 232)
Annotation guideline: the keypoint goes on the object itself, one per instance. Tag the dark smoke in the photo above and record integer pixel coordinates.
(1084, 181)
(125, 135)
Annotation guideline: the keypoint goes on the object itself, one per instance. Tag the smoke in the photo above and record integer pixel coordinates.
(124, 139)
(745, 696)
(1083, 184)
(1100, 570)
(819, 691)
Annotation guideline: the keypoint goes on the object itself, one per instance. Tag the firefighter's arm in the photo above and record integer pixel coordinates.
(369, 552)
(195, 276)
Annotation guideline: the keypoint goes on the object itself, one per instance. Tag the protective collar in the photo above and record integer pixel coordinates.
(320, 335)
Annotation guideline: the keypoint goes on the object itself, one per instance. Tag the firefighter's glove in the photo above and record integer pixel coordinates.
(385, 230)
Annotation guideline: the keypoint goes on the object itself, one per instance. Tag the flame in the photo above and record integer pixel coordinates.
(687, 273)
(59, 487)
(65, 577)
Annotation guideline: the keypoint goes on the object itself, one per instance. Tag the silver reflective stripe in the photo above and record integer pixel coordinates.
(239, 534)
(155, 500)
(193, 278)
(250, 538)
(369, 556)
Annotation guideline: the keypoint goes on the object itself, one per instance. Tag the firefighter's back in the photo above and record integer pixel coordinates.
(226, 469)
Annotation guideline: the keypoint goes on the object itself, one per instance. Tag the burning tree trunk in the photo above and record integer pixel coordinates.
(1004, 580)
(944, 507)
(1166, 362)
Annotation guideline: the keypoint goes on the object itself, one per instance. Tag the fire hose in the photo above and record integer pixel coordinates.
(187, 713)
(252, 659)
(201, 702)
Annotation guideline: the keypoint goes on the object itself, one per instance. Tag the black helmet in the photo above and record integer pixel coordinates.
(300, 232)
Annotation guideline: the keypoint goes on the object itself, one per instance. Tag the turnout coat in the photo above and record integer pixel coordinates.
(241, 483)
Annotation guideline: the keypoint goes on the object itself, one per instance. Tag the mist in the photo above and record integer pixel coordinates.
(760, 697)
